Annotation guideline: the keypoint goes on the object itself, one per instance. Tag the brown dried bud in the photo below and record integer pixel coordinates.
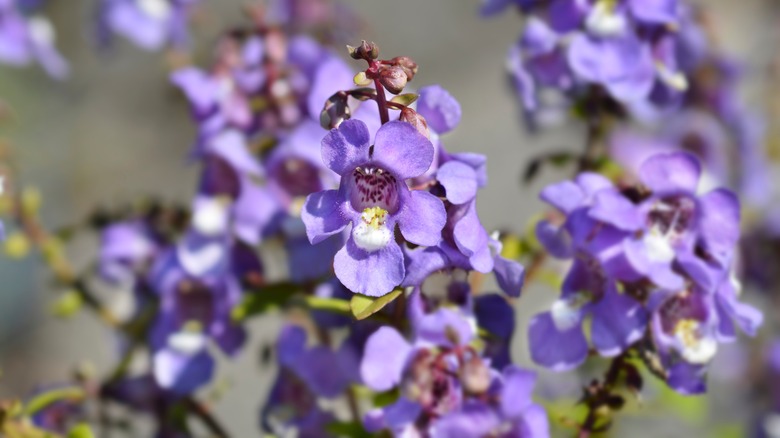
(393, 78)
(336, 110)
(414, 118)
(367, 51)
(475, 376)
(406, 63)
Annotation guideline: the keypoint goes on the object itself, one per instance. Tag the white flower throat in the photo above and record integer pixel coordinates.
(372, 232)
(374, 192)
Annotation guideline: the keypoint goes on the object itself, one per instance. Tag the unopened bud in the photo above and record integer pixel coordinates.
(393, 78)
(475, 376)
(367, 51)
(336, 110)
(414, 118)
(406, 63)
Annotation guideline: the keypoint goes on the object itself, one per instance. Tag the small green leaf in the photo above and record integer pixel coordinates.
(363, 306)
(81, 430)
(405, 99)
(350, 429)
(386, 398)
(361, 80)
(68, 304)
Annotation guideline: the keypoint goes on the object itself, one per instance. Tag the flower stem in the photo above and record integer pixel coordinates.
(381, 102)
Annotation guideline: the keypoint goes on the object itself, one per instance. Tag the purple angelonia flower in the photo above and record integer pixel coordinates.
(659, 249)
(307, 374)
(442, 381)
(25, 39)
(373, 197)
(294, 77)
(198, 281)
(457, 177)
(149, 24)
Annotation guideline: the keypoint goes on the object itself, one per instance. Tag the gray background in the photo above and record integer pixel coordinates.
(116, 130)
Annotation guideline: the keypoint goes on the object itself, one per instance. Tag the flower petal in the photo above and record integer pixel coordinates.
(440, 109)
(459, 181)
(369, 273)
(565, 196)
(510, 275)
(384, 359)
(346, 147)
(618, 321)
(182, 373)
(671, 172)
(517, 390)
(401, 149)
(612, 207)
(323, 216)
(422, 218)
(555, 349)
(719, 224)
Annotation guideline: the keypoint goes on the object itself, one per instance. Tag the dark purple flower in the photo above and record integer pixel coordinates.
(373, 197)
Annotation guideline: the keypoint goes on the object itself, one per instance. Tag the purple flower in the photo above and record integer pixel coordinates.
(373, 198)
(150, 24)
(442, 381)
(27, 39)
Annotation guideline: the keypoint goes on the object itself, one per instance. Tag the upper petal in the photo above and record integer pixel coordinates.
(440, 109)
(346, 147)
(401, 149)
(671, 172)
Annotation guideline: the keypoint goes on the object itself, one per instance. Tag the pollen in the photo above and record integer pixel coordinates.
(686, 331)
(371, 233)
(374, 217)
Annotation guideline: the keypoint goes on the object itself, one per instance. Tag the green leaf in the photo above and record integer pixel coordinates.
(41, 401)
(361, 80)
(81, 430)
(405, 99)
(386, 398)
(363, 306)
(263, 300)
(350, 429)
(68, 304)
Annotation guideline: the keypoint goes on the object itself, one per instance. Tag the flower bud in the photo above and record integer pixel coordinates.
(367, 51)
(414, 118)
(336, 110)
(475, 376)
(393, 78)
(406, 63)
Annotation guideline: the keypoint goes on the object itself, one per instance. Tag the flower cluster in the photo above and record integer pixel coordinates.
(400, 174)
(27, 37)
(627, 50)
(652, 262)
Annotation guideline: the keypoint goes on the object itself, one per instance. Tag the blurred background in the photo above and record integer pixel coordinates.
(117, 130)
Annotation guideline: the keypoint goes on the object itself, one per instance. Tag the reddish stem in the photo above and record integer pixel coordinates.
(381, 102)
